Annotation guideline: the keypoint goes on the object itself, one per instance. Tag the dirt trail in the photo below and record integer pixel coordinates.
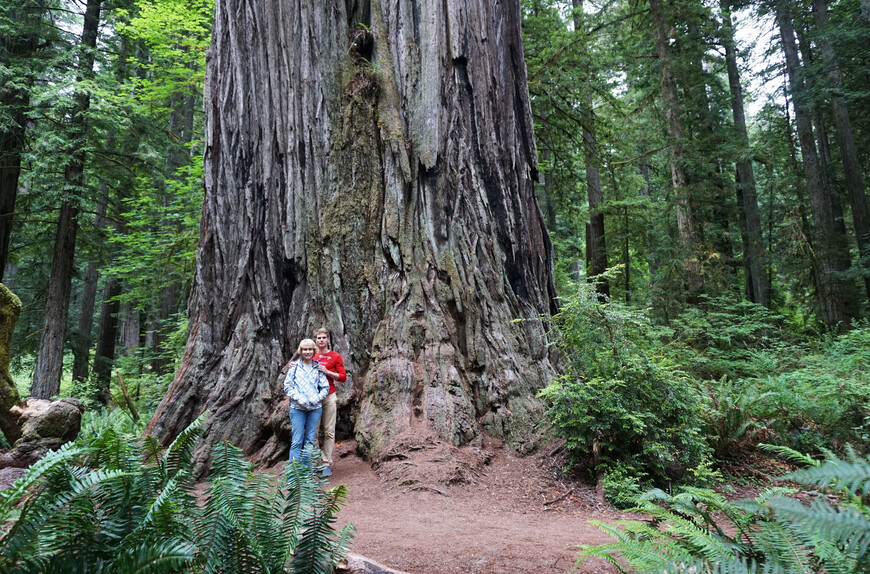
(509, 516)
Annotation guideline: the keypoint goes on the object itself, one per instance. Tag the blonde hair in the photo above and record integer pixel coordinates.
(321, 330)
(305, 343)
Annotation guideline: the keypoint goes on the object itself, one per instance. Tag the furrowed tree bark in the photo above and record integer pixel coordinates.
(686, 225)
(376, 179)
(49, 361)
(757, 283)
(831, 257)
(845, 136)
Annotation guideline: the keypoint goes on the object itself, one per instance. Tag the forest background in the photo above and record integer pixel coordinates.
(713, 263)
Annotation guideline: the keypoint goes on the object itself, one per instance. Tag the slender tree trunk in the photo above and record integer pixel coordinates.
(757, 283)
(686, 225)
(82, 339)
(391, 202)
(831, 257)
(845, 136)
(107, 335)
(129, 328)
(596, 245)
(643, 169)
(49, 362)
(546, 187)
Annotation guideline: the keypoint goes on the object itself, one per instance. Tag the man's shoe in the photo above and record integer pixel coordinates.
(326, 471)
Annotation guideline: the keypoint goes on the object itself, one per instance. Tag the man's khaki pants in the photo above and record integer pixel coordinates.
(327, 420)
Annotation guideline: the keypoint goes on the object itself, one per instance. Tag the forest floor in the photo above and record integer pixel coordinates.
(427, 508)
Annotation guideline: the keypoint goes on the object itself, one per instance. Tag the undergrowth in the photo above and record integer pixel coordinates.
(699, 530)
(111, 502)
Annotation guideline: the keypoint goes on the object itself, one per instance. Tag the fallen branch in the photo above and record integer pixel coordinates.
(561, 498)
(133, 412)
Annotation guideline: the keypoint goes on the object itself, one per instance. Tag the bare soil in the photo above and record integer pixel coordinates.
(430, 508)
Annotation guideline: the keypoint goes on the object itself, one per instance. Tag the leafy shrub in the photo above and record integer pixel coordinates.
(113, 503)
(704, 532)
(620, 392)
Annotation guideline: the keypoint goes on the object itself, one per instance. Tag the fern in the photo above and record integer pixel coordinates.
(113, 503)
(852, 475)
(772, 533)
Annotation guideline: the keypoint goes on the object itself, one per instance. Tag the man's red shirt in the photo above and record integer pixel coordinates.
(332, 361)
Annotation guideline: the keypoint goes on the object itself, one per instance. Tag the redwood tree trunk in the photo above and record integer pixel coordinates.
(383, 190)
(831, 257)
(758, 286)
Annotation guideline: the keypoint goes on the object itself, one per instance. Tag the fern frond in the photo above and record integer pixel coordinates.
(179, 455)
(342, 543)
(789, 454)
(853, 475)
(846, 527)
(168, 557)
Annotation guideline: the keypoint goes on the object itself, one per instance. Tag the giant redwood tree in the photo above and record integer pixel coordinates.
(369, 166)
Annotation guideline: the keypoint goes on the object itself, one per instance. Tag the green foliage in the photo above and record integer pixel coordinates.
(724, 336)
(699, 530)
(825, 402)
(618, 390)
(114, 503)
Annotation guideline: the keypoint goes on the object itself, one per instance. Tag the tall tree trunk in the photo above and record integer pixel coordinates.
(845, 137)
(831, 257)
(757, 283)
(82, 340)
(686, 225)
(596, 245)
(392, 202)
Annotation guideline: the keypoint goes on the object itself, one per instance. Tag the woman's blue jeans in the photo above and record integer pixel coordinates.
(303, 428)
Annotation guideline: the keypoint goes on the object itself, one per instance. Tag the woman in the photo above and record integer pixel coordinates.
(306, 387)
